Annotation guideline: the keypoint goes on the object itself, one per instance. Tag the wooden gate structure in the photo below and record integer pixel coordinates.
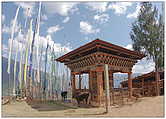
(91, 57)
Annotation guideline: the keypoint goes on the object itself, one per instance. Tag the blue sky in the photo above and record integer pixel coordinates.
(72, 24)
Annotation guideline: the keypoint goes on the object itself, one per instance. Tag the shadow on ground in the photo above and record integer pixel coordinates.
(55, 106)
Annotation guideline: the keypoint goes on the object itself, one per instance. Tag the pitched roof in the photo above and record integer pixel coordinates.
(101, 46)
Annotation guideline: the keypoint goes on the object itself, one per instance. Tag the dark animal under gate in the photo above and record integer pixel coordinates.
(81, 97)
(64, 95)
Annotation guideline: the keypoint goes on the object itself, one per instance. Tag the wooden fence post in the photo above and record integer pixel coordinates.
(106, 79)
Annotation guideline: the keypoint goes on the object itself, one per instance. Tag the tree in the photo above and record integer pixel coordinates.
(148, 34)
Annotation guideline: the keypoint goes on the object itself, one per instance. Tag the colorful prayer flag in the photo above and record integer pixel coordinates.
(27, 50)
(12, 36)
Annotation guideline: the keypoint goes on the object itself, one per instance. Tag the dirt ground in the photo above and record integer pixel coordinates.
(144, 107)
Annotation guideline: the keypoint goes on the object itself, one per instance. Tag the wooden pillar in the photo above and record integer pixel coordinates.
(111, 86)
(80, 79)
(99, 73)
(157, 78)
(143, 86)
(90, 81)
(129, 84)
(111, 81)
(90, 86)
(106, 79)
(73, 83)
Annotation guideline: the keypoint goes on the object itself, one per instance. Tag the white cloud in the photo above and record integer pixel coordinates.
(87, 28)
(66, 20)
(129, 46)
(26, 6)
(4, 47)
(44, 17)
(5, 50)
(134, 14)
(8, 29)
(61, 8)
(103, 18)
(16, 45)
(3, 17)
(97, 6)
(144, 66)
(58, 48)
(54, 29)
(20, 36)
(20, 43)
(119, 7)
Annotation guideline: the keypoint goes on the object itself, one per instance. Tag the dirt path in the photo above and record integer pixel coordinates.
(146, 107)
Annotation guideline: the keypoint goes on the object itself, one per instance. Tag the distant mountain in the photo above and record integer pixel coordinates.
(119, 77)
(5, 75)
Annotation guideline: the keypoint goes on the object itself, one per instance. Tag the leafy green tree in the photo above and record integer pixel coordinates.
(148, 34)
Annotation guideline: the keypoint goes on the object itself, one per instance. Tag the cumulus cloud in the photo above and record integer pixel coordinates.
(134, 14)
(28, 7)
(8, 29)
(103, 18)
(54, 29)
(66, 20)
(20, 43)
(97, 6)
(44, 17)
(3, 17)
(86, 28)
(57, 47)
(61, 8)
(119, 7)
(4, 50)
(144, 66)
(129, 46)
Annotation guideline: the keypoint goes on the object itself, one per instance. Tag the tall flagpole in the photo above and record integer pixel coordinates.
(20, 69)
(22, 53)
(11, 45)
(32, 48)
(29, 40)
(40, 68)
(37, 51)
(15, 68)
(37, 35)
(12, 36)
(44, 91)
(31, 58)
(27, 15)
(52, 69)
